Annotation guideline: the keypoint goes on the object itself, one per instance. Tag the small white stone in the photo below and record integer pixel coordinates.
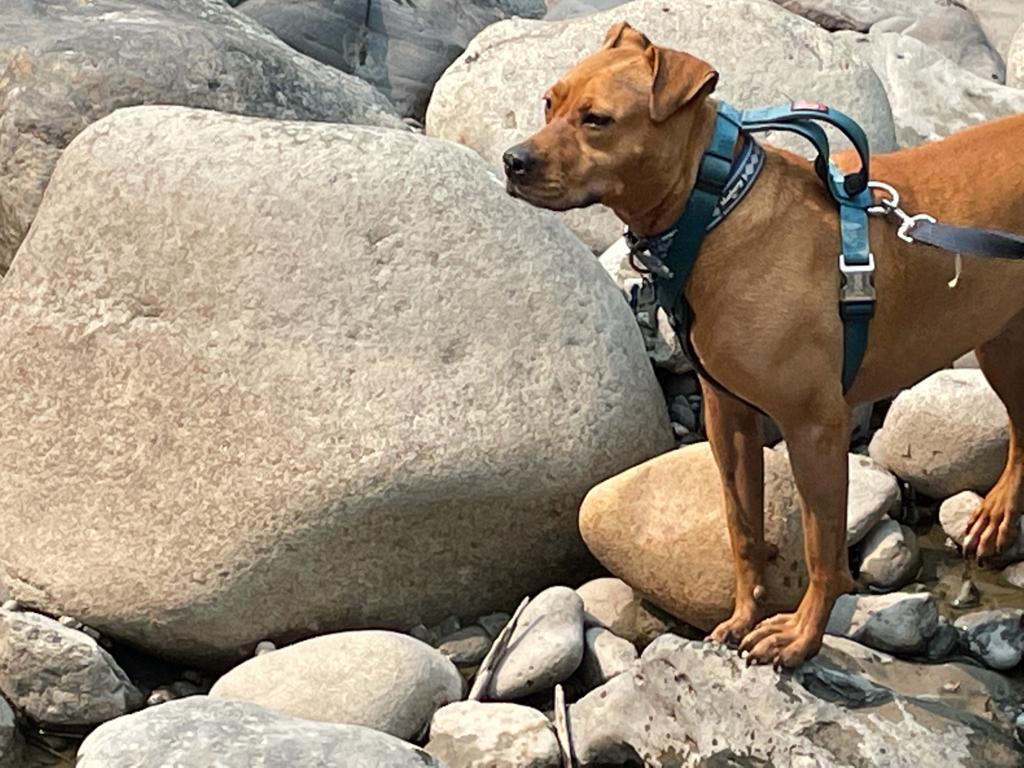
(264, 646)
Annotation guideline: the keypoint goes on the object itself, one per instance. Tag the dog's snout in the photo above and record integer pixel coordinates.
(519, 161)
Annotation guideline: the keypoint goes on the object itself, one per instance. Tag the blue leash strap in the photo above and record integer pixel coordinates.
(857, 286)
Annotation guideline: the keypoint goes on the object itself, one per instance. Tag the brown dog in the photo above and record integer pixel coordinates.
(626, 127)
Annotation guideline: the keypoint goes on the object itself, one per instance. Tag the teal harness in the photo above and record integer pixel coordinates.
(722, 181)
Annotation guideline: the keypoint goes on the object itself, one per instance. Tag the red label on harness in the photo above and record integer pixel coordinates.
(815, 106)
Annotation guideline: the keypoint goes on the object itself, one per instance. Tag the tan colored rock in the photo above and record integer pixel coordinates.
(660, 528)
(266, 389)
(490, 98)
(382, 680)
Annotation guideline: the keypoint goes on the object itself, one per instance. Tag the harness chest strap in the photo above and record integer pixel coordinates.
(670, 257)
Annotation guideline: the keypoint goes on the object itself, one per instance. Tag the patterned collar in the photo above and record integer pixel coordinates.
(652, 252)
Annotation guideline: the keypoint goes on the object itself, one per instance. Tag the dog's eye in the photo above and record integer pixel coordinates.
(594, 120)
(547, 103)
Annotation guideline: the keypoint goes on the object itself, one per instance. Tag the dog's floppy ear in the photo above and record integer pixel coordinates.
(679, 78)
(622, 35)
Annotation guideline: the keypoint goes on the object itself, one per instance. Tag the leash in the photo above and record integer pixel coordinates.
(722, 182)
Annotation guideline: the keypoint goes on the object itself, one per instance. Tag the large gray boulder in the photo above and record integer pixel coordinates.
(999, 19)
(313, 392)
(950, 433)
(696, 704)
(401, 48)
(948, 27)
(69, 64)
(490, 98)
(384, 680)
(931, 96)
(59, 676)
(200, 731)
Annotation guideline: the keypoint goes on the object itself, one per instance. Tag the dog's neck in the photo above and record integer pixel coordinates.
(672, 181)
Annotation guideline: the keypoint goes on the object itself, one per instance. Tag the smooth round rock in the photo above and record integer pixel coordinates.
(467, 646)
(473, 734)
(384, 680)
(311, 391)
(948, 434)
(955, 515)
(613, 604)
(68, 64)
(873, 493)
(200, 731)
(605, 655)
(545, 648)
(891, 556)
(660, 527)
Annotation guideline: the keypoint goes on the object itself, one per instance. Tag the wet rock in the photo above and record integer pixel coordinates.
(995, 637)
(70, 64)
(291, 359)
(472, 734)
(60, 676)
(201, 731)
(384, 680)
(900, 622)
(689, 704)
(546, 646)
(477, 103)
(891, 556)
(612, 603)
(943, 642)
(605, 655)
(659, 526)
(466, 647)
(945, 435)
(873, 493)
(968, 596)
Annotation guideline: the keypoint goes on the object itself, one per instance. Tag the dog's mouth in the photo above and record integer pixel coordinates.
(550, 198)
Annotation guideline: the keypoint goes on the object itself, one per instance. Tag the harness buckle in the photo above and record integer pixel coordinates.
(858, 280)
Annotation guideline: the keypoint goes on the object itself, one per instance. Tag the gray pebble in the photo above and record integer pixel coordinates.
(264, 646)
(968, 596)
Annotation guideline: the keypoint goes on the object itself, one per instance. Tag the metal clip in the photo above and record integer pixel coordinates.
(858, 279)
(907, 223)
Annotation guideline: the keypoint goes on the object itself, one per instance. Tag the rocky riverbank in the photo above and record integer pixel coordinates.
(320, 449)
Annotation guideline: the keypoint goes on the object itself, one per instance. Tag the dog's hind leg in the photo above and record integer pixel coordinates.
(817, 433)
(994, 525)
(734, 430)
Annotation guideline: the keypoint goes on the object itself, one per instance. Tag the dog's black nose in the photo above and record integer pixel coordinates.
(519, 160)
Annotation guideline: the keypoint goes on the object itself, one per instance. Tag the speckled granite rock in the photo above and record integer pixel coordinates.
(59, 676)
(473, 734)
(489, 98)
(299, 407)
(200, 731)
(66, 65)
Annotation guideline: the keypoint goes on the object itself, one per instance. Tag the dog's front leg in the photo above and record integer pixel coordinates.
(734, 430)
(817, 436)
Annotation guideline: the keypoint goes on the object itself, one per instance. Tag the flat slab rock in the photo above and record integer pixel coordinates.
(199, 731)
(697, 704)
(296, 376)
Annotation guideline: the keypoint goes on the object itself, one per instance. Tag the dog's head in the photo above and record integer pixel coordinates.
(611, 124)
